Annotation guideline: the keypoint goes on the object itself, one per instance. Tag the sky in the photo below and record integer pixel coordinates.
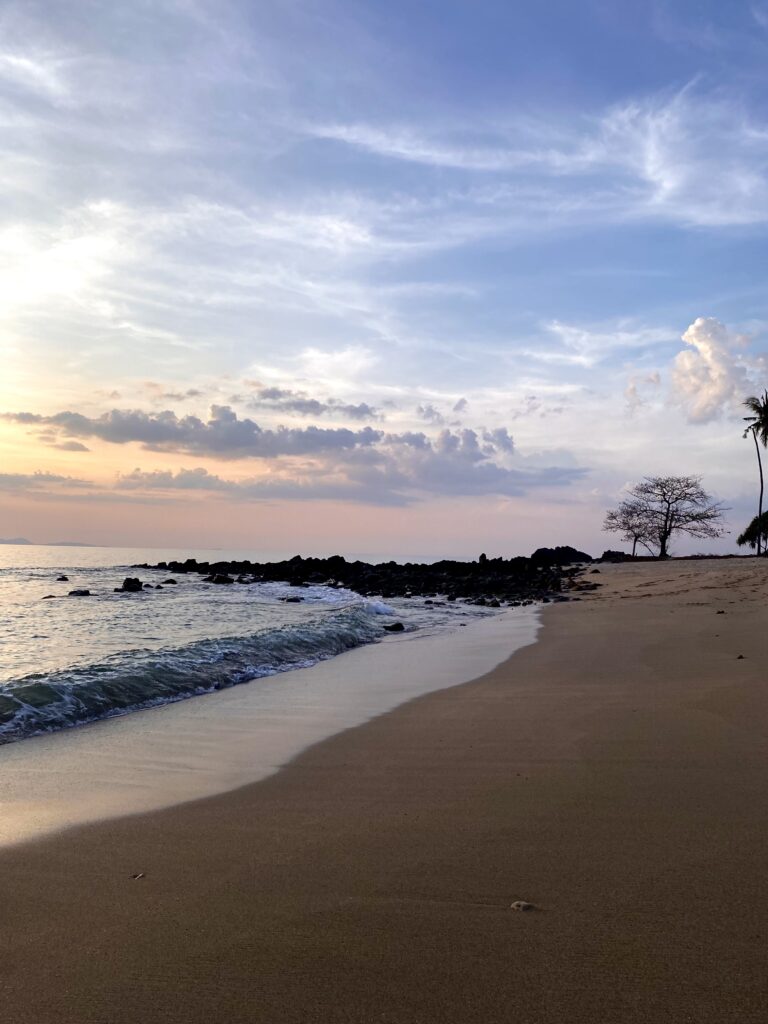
(403, 279)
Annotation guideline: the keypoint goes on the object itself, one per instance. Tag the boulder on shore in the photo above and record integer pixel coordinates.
(395, 627)
(80, 592)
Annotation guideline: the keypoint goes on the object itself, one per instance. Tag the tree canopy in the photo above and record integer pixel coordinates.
(758, 421)
(660, 506)
(757, 426)
(627, 521)
(756, 531)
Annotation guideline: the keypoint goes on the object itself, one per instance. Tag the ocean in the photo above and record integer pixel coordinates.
(69, 660)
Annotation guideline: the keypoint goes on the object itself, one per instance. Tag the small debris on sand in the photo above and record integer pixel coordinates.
(521, 905)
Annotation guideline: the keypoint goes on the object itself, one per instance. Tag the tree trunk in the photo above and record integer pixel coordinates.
(760, 505)
(634, 546)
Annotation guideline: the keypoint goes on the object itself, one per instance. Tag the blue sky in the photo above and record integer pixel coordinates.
(397, 265)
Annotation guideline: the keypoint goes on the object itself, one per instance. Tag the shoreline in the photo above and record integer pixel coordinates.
(612, 774)
(218, 742)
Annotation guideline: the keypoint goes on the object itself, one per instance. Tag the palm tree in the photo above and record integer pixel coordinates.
(758, 428)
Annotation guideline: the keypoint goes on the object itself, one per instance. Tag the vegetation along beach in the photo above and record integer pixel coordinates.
(383, 512)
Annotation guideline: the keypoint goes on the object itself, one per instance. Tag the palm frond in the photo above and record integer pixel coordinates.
(758, 421)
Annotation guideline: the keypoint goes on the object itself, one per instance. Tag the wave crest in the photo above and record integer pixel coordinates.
(134, 680)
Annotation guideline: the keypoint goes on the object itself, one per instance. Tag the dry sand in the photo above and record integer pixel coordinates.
(615, 775)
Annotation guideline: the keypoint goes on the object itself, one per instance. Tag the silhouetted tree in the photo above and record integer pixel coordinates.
(631, 525)
(756, 532)
(758, 428)
(660, 506)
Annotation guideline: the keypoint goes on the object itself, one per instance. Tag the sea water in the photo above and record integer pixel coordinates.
(120, 667)
(69, 660)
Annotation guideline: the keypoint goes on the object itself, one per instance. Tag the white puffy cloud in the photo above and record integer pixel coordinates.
(713, 375)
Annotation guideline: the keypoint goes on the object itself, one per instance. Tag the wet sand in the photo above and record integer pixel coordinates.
(615, 775)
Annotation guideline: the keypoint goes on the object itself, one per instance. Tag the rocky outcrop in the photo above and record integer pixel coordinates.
(507, 581)
(564, 555)
(615, 556)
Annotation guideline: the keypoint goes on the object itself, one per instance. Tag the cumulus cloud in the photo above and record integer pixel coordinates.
(223, 435)
(301, 404)
(38, 482)
(713, 375)
(403, 469)
(498, 440)
(427, 412)
(71, 446)
(364, 465)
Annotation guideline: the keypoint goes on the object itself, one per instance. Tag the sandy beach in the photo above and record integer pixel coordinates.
(614, 774)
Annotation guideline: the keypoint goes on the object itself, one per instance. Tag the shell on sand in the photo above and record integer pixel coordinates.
(521, 905)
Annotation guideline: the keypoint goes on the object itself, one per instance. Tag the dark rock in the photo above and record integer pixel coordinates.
(131, 585)
(561, 555)
(292, 600)
(80, 592)
(170, 582)
(594, 572)
(49, 597)
(62, 579)
(395, 627)
(494, 603)
(615, 556)
(509, 580)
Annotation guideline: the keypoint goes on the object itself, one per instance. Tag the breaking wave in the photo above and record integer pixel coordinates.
(134, 680)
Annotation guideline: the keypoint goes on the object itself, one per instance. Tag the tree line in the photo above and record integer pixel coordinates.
(660, 506)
